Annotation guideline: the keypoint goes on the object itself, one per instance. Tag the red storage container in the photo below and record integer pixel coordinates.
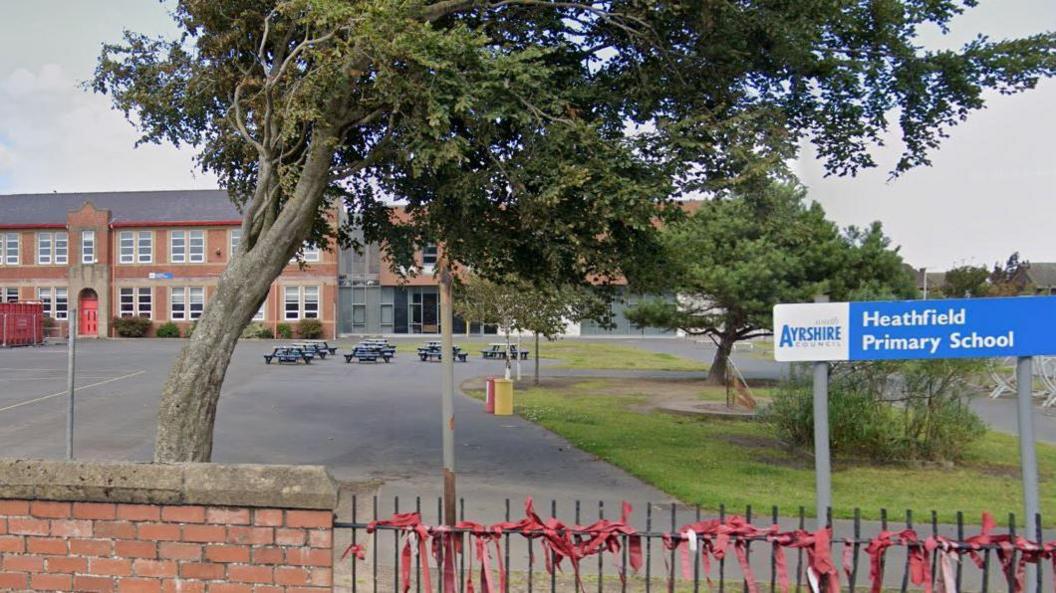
(21, 324)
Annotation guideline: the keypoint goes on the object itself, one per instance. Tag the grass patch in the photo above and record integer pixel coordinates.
(709, 461)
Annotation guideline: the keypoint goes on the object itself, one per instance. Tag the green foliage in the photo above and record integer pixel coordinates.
(966, 281)
(168, 330)
(132, 327)
(257, 330)
(310, 329)
(735, 258)
(518, 305)
(190, 329)
(284, 331)
(886, 412)
(511, 116)
(1010, 279)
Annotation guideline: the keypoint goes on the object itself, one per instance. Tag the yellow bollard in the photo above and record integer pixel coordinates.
(503, 397)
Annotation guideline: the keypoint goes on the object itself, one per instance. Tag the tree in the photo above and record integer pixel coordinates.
(512, 116)
(515, 305)
(1010, 279)
(734, 259)
(966, 281)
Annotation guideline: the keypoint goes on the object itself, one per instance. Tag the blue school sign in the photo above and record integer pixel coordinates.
(892, 330)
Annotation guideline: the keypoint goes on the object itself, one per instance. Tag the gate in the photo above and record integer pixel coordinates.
(21, 324)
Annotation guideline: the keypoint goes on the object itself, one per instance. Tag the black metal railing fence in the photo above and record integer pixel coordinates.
(881, 556)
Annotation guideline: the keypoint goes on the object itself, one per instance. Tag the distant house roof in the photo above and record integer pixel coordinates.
(125, 207)
(1041, 274)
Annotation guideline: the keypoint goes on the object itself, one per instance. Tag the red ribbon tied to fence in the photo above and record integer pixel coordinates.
(710, 538)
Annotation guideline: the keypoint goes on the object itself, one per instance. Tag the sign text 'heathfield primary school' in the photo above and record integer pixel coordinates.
(889, 330)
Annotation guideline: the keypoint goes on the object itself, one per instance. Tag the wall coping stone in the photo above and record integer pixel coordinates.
(245, 485)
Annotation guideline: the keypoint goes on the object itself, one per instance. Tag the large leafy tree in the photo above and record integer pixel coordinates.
(504, 126)
(734, 259)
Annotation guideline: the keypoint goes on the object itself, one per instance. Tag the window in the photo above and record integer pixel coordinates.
(187, 247)
(52, 248)
(259, 315)
(429, 256)
(310, 253)
(135, 247)
(301, 302)
(137, 302)
(186, 302)
(359, 308)
(145, 246)
(9, 295)
(234, 239)
(87, 247)
(9, 249)
(43, 248)
(62, 248)
(44, 296)
(61, 303)
(57, 307)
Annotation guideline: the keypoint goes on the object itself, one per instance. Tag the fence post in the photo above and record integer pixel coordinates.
(71, 345)
(1027, 458)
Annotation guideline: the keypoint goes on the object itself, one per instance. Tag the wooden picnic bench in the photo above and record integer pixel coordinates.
(287, 355)
(313, 350)
(499, 351)
(322, 344)
(368, 354)
(429, 353)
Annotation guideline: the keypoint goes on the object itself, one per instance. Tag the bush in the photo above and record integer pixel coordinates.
(886, 411)
(168, 330)
(310, 329)
(284, 331)
(190, 329)
(257, 330)
(132, 327)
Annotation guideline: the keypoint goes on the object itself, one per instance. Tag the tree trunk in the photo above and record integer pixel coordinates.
(189, 398)
(717, 373)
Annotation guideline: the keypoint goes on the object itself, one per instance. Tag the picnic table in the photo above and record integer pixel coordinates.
(432, 350)
(371, 352)
(498, 351)
(314, 349)
(288, 354)
(322, 344)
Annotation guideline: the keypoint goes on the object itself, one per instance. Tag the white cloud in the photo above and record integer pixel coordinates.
(58, 137)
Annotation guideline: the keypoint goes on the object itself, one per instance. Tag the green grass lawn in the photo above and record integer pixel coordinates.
(711, 461)
(574, 354)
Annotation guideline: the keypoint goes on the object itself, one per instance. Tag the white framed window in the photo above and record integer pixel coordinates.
(52, 248)
(145, 247)
(186, 247)
(43, 248)
(234, 239)
(55, 301)
(135, 247)
(300, 302)
(62, 303)
(259, 315)
(87, 247)
(308, 253)
(9, 249)
(62, 248)
(9, 294)
(186, 302)
(137, 302)
(429, 256)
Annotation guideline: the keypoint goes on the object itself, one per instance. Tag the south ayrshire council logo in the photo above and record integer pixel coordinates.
(822, 333)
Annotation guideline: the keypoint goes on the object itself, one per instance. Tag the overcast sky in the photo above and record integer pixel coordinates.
(990, 191)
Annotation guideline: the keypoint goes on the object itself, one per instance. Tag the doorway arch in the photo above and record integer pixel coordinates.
(88, 313)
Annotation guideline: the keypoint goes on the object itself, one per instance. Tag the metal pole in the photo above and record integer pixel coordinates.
(71, 346)
(822, 465)
(924, 273)
(447, 412)
(1027, 459)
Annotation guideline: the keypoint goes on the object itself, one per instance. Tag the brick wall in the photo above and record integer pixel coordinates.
(149, 548)
(272, 544)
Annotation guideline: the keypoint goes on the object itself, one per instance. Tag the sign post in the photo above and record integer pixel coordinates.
(907, 330)
(71, 355)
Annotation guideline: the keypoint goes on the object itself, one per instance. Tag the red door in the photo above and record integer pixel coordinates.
(89, 314)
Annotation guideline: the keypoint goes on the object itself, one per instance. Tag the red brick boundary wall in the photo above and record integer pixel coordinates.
(138, 528)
